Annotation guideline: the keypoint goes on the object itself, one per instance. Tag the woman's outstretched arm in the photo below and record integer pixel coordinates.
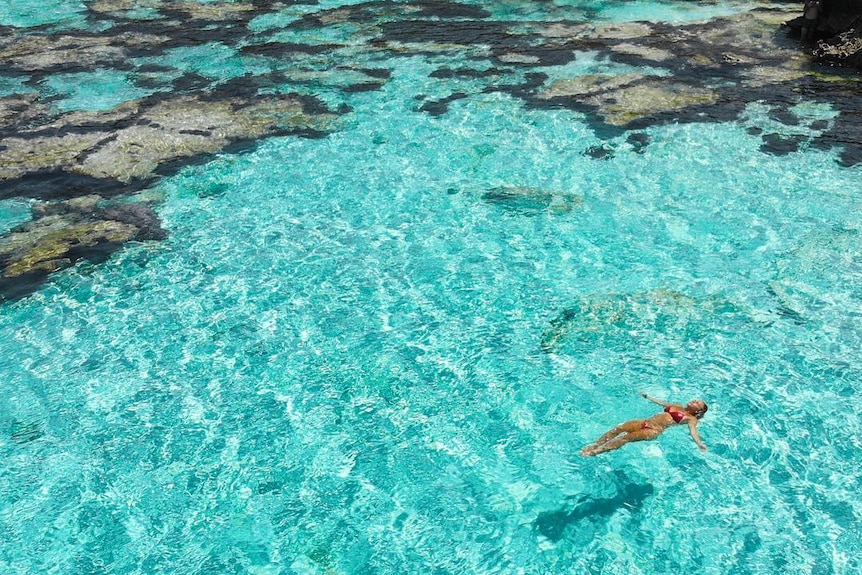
(654, 400)
(692, 428)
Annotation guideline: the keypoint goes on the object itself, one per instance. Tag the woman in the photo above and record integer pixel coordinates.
(643, 429)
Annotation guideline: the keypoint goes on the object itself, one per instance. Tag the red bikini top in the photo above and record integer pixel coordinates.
(677, 415)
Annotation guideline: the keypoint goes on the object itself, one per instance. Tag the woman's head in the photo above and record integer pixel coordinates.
(697, 408)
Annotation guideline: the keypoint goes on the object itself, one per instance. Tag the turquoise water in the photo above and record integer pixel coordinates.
(90, 91)
(335, 362)
(21, 13)
(13, 213)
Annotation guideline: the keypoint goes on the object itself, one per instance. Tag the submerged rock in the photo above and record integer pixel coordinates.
(138, 215)
(23, 433)
(623, 98)
(615, 320)
(603, 152)
(588, 85)
(19, 109)
(23, 156)
(644, 51)
(68, 52)
(133, 141)
(844, 49)
(63, 232)
(649, 98)
(531, 201)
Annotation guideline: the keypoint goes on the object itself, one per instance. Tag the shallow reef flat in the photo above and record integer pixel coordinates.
(132, 91)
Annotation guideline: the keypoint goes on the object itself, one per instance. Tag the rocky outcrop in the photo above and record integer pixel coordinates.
(63, 232)
(843, 49)
(127, 146)
(838, 33)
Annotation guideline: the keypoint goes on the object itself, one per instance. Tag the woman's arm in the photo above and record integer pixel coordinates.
(654, 400)
(692, 428)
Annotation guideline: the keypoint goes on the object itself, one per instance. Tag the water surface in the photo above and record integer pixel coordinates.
(380, 351)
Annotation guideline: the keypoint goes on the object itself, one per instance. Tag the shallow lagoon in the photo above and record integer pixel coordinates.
(353, 353)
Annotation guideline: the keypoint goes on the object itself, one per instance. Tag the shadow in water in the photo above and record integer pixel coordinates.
(587, 508)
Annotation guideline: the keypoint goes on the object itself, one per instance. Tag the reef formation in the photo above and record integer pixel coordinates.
(838, 33)
(192, 80)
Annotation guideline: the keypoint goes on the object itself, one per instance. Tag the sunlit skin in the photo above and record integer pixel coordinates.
(650, 428)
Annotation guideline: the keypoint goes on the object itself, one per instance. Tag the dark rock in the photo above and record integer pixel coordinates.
(363, 87)
(444, 9)
(639, 142)
(64, 232)
(467, 33)
(603, 152)
(779, 145)
(190, 82)
(139, 215)
(784, 116)
(754, 131)
(440, 107)
(279, 49)
(380, 73)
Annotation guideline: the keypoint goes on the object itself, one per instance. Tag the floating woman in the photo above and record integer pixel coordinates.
(643, 429)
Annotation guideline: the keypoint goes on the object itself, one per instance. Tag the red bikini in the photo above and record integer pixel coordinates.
(677, 415)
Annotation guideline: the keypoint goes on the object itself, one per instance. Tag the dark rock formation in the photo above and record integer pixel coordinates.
(838, 32)
(845, 48)
(63, 232)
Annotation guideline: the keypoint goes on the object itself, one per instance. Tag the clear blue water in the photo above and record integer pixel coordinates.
(91, 91)
(26, 14)
(334, 363)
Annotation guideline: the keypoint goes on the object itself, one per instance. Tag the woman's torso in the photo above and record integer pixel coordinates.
(672, 415)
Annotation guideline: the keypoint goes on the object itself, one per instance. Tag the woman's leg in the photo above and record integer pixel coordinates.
(627, 427)
(637, 435)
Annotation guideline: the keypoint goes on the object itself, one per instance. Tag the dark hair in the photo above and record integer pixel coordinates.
(701, 412)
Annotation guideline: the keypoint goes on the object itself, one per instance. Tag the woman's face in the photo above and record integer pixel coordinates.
(695, 405)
